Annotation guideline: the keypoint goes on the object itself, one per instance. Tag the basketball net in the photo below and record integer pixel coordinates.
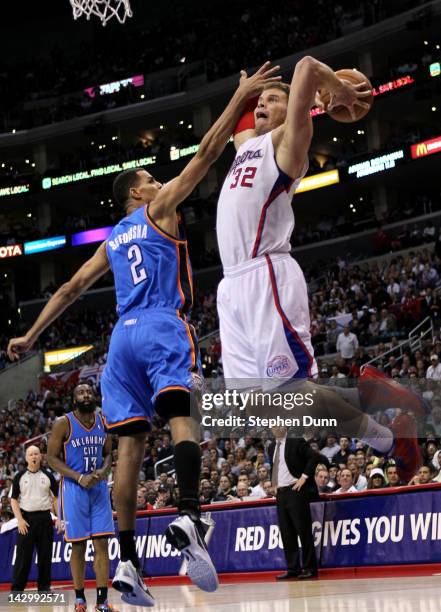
(104, 9)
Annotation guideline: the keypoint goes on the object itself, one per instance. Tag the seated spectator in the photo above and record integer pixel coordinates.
(224, 492)
(332, 484)
(164, 498)
(360, 482)
(376, 479)
(322, 478)
(388, 323)
(140, 500)
(242, 490)
(206, 492)
(425, 475)
(392, 477)
(258, 490)
(346, 482)
(342, 455)
(336, 377)
(331, 447)
(434, 370)
(267, 487)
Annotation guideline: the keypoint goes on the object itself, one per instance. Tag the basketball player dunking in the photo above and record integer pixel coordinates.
(262, 299)
(153, 354)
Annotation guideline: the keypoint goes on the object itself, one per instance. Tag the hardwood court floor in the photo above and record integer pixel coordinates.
(400, 594)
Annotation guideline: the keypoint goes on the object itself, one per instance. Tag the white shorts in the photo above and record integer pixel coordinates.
(264, 323)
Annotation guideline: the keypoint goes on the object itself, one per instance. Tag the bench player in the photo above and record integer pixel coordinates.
(81, 452)
(262, 299)
(153, 353)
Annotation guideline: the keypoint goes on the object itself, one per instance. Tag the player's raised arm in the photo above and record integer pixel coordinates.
(292, 139)
(213, 143)
(90, 272)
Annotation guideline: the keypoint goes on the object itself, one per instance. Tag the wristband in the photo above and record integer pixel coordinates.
(79, 479)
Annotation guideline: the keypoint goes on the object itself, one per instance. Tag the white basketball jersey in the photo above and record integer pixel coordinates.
(254, 212)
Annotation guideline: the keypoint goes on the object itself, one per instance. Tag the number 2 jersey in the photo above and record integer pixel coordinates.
(254, 213)
(153, 348)
(151, 267)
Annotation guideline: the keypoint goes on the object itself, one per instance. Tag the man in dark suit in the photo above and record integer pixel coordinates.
(293, 464)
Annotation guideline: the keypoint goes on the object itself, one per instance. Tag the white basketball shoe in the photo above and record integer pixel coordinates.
(129, 581)
(187, 536)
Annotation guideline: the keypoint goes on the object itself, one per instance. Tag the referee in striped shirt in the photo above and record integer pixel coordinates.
(33, 496)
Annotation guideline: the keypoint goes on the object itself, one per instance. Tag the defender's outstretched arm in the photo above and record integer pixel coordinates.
(212, 144)
(89, 272)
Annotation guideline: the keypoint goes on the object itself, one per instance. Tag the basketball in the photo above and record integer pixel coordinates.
(341, 113)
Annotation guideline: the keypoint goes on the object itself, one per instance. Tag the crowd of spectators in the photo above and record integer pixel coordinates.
(358, 307)
(149, 45)
(360, 310)
(234, 468)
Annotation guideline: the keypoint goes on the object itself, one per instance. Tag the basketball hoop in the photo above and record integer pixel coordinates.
(104, 9)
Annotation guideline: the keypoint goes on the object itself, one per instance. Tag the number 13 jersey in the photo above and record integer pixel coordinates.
(254, 213)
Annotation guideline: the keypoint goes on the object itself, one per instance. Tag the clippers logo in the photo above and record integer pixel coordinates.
(279, 366)
(427, 147)
(241, 159)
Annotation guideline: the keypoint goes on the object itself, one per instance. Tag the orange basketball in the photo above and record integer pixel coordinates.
(341, 113)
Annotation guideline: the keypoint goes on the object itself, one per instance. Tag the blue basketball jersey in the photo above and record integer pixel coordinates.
(85, 513)
(151, 268)
(83, 449)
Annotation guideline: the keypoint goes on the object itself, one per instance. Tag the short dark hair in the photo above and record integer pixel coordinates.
(122, 185)
(81, 384)
(278, 85)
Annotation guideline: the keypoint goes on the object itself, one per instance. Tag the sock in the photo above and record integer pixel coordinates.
(127, 545)
(379, 437)
(188, 469)
(101, 596)
(79, 594)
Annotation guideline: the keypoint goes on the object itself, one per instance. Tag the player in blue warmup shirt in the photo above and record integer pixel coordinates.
(80, 450)
(152, 361)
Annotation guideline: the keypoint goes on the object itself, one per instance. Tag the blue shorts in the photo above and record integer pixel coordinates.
(86, 513)
(151, 351)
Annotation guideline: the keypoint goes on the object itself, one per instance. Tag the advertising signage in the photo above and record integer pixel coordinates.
(11, 250)
(110, 88)
(14, 190)
(94, 235)
(46, 244)
(376, 164)
(426, 147)
(55, 181)
(316, 181)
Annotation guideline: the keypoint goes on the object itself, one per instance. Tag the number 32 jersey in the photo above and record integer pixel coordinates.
(151, 268)
(254, 213)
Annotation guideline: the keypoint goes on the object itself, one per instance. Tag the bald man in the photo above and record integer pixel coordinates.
(33, 497)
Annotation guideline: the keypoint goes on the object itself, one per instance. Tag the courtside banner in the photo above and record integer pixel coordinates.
(386, 529)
